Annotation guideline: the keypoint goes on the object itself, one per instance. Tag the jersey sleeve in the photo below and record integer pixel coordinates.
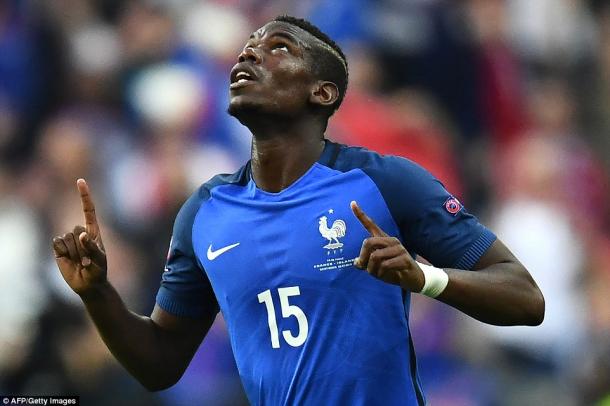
(185, 289)
(433, 223)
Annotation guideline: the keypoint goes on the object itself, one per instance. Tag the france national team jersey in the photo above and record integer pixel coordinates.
(306, 326)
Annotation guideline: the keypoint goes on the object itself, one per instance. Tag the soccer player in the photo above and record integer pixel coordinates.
(308, 250)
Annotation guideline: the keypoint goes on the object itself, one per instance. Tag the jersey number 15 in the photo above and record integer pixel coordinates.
(288, 310)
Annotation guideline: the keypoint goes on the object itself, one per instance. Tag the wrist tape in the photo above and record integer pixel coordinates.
(435, 280)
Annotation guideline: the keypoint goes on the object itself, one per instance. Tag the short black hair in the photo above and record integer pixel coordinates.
(328, 65)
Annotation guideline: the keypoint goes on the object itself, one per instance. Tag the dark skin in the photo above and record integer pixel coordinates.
(501, 292)
(284, 106)
(281, 107)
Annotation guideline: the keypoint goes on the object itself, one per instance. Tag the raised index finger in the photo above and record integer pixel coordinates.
(366, 221)
(88, 208)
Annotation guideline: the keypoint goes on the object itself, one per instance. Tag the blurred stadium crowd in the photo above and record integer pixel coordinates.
(506, 101)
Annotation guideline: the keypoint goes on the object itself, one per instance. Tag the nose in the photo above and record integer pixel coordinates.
(249, 54)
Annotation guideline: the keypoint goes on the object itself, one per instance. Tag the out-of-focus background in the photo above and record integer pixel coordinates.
(506, 101)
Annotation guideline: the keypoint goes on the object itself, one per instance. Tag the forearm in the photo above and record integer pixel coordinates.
(498, 291)
(155, 350)
(500, 294)
(134, 340)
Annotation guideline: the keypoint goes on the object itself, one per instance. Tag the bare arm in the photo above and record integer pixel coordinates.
(155, 350)
(500, 292)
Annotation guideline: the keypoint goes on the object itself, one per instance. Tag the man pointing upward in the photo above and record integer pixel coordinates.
(308, 324)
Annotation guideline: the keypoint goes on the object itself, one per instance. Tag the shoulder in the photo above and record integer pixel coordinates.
(191, 206)
(354, 157)
(409, 190)
(240, 177)
(387, 171)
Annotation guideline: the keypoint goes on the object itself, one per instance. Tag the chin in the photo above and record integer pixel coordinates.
(242, 111)
(238, 104)
(245, 110)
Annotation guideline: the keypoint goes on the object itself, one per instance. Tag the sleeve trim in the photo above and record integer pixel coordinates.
(476, 250)
(178, 309)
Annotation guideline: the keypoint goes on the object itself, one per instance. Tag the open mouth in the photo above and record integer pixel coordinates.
(241, 78)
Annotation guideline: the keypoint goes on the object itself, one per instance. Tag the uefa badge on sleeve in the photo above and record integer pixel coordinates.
(453, 205)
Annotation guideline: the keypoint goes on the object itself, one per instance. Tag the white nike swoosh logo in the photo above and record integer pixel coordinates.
(212, 255)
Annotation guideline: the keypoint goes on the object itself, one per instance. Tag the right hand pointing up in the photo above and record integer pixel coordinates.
(80, 254)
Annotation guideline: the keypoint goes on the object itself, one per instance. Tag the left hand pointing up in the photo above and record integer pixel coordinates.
(385, 257)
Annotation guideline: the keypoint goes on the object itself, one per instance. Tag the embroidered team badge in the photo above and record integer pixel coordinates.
(453, 205)
(332, 234)
(334, 248)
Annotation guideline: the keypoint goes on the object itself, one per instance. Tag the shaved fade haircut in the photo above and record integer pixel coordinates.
(330, 61)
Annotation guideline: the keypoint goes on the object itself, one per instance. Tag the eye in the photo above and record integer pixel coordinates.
(280, 46)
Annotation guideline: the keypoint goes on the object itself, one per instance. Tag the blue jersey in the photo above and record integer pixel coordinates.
(306, 326)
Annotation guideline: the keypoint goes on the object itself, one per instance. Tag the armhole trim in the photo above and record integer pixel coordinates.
(476, 250)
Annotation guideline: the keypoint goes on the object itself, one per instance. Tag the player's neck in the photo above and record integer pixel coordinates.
(280, 156)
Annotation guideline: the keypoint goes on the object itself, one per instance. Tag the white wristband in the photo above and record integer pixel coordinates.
(435, 280)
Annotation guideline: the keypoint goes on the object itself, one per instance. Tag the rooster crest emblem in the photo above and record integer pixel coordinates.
(332, 234)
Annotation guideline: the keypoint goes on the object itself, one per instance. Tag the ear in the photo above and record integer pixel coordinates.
(324, 93)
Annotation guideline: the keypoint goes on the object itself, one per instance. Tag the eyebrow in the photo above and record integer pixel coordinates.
(288, 36)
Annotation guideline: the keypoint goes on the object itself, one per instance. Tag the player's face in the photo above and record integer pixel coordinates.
(273, 74)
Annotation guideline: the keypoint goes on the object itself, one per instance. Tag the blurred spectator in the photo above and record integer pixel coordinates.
(594, 94)
(502, 90)
(550, 250)
(402, 123)
(552, 182)
(428, 45)
(31, 75)
(593, 372)
(557, 33)
(20, 306)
